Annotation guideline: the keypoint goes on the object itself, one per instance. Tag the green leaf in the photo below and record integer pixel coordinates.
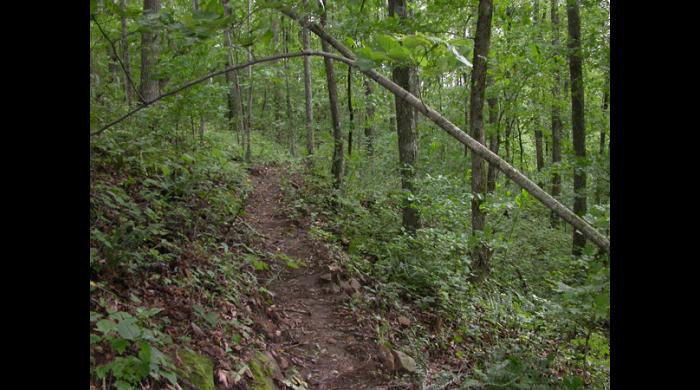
(106, 326)
(265, 38)
(128, 329)
(400, 53)
(413, 41)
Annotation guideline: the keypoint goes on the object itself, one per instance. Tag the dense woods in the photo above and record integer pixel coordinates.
(357, 194)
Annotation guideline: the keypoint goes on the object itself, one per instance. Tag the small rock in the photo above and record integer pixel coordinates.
(386, 357)
(404, 361)
(326, 278)
(404, 321)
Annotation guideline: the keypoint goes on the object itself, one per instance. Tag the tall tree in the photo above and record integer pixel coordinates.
(249, 111)
(369, 116)
(307, 92)
(234, 90)
(126, 59)
(149, 55)
(337, 164)
(557, 125)
(539, 156)
(494, 136)
(577, 117)
(291, 142)
(406, 126)
(482, 41)
(350, 111)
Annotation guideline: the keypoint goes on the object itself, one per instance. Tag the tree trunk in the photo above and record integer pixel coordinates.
(149, 55)
(494, 141)
(406, 129)
(557, 125)
(337, 164)
(539, 155)
(369, 126)
(466, 109)
(350, 111)
(482, 42)
(577, 118)
(601, 149)
(234, 92)
(249, 111)
(290, 122)
(307, 93)
(126, 58)
(276, 91)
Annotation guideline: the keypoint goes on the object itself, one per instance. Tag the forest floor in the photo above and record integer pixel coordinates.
(309, 324)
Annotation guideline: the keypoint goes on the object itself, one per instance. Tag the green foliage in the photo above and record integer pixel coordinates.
(134, 343)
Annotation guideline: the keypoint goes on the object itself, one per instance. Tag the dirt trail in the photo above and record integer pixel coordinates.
(309, 324)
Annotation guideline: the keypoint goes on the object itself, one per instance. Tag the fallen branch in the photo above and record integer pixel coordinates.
(479, 149)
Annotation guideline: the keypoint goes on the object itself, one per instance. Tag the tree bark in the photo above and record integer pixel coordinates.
(149, 55)
(406, 129)
(337, 164)
(557, 125)
(577, 118)
(482, 40)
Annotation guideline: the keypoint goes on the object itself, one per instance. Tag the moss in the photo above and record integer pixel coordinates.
(196, 369)
(263, 369)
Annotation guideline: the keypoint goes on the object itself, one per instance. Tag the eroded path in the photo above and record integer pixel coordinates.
(309, 324)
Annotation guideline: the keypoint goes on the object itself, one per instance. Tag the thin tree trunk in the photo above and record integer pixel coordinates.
(307, 93)
(406, 128)
(276, 92)
(494, 141)
(369, 126)
(126, 58)
(601, 147)
(290, 123)
(539, 155)
(557, 125)
(351, 111)
(249, 111)
(482, 42)
(466, 109)
(149, 55)
(234, 93)
(577, 118)
(337, 164)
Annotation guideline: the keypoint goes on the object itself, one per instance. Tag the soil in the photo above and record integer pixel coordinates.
(309, 324)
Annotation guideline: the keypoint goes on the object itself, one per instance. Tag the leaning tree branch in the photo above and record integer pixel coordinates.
(220, 72)
(116, 55)
(481, 150)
